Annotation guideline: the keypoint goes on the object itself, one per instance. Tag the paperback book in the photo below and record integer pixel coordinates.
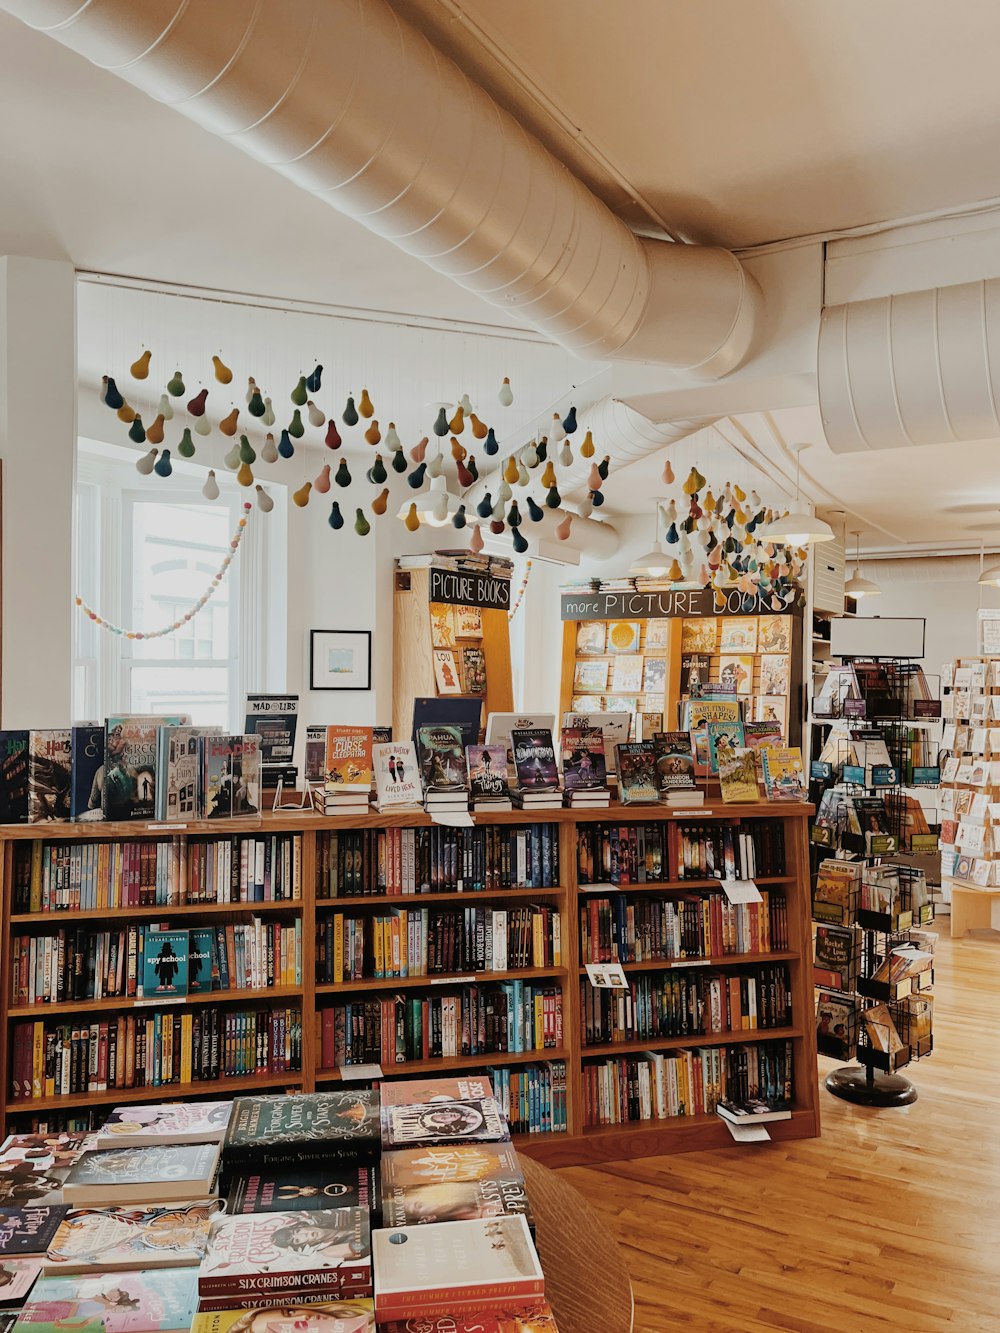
(637, 779)
(881, 1030)
(784, 775)
(34, 1167)
(50, 778)
(230, 776)
(356, 1315)
(165, 1173)
(165, 963)
(724, 738)
(487, 766)
(128, 775)
(529, 1317)
(29, 1230)
(274, 719)
(13, 777)
(738, 776)
(111, 1239)
(441, 755)
(347, 762)
(674, 761)
(306, 1128)
(286, 1188)
(397, 778)
(87, 760)
(178, 772)
(458, 1163)
(471, 1121)
(584, 767)
(454, 1202)
(473, 670)
(157, 1301)
(837, 957)
(173, 1122)
(535, 759)
(837, 1024)
(420, 1091)
(17, 1277)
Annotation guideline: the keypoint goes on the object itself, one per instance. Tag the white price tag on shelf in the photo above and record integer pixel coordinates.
(354, 1073)
(747, 1133)
(162, 999)
(741, 890)
(607, 976)
(453, 981)
(452, 818)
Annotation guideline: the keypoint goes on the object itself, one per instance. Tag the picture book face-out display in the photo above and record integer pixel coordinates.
(626, 675)
(442, 625)
(623, 636)
(591, 676)
(657, 635)
(591, 637)
(774, 634)
(774, 673)
(473, 664)
(738, 634)
(446, 672)
(583, 759)
(699, 634)
(724, 738)
(468, 622)
(441, 755)
(736, 674)
(230, 776)
(738, 775)
(535, 759)
(654, 675)
(487, 772)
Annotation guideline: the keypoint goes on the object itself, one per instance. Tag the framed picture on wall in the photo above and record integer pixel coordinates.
(340, 659)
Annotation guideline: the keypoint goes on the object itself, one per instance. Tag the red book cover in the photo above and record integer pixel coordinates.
(321, 1250)
(536, 1317)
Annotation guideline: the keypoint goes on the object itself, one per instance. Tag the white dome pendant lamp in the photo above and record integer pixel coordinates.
(655, 563)
(797, 528)
(858, 587)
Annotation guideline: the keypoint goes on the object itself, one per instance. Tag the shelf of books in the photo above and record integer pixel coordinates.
(647, 666)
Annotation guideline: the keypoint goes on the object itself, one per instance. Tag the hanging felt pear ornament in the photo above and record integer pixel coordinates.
(295, 426)
(222, 372)
(245, 475)
(210, 490)
(361, 525)
(542, 449)
(255, 403)
(479, 428)
(228, 423)
(553, 499)
(558, 429)
(498, 508)
(285, 447)
(268, 417)
(563, 527)
(458, 519)
(126, 413)
(251, 390)
(465, 477)
(373, 435)
(594, 479)
(203, 425)
(314, 382)
(465, 403)
(504, 491)
(518, 541)
(510, 473)
(412, 519)
(506, 395)
(350, 413)
(144, 465)
(549, 475)
(301, 496)
(586, 507)
(136, 433)
(529, 455)
(186, 446)
(604, 467)
(441, 426)
(162, 466)
(165, 408)
(336, 519)
(332, 438)
(175, 385)
(139, 369)
(695, 481)
(418, 452)
(380, 502)
(587, 448)
(112, 395)
(476, 540)
(300, 394)
(247, 451)
(739, 494)
(513, 515)
(492, 444)
(322, 483)
(435, 466)
(523, 476)
(392, 440)
(470, 463)
(196, 406)
(597, 498)
(485, 506)
(264, 501)
(365, 405)
(569, 421)
(316, 416)
(565, 454)
(154, 431)
(416, 478)
(535, 511)
(399, 461)
(497, 526)
(458, 450)
(269, 450)
(377, 473)
(343, 476)
(232, 458)
(457, 424)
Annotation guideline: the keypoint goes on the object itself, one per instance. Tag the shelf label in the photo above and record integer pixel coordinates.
(452, 818)
(741, 890)
(607, 976)
(169, 828)
(692, 812)
(454, 981)
(355, 1073)
(162, 999)
(747, 1133)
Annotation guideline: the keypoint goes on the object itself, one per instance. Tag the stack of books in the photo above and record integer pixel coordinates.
(441, 755)
(536, 768)
(347, 772)
(585, 771)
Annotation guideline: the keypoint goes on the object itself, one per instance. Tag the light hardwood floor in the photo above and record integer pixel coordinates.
(891, 1220)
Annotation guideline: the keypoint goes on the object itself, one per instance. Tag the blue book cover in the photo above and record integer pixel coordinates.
(165, 963)
(87, 760)
(203, 972)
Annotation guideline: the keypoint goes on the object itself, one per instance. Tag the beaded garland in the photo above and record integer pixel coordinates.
(234, 546)
(520, 596)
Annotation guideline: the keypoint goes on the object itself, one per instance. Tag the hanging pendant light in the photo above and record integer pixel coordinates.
(655, 563)
(858, 587)
(798, 528)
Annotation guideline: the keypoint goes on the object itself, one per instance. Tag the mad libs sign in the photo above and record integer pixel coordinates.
(483, 590)
(667, 604)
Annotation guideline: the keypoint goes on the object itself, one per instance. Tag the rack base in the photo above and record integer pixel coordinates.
(865, 1087)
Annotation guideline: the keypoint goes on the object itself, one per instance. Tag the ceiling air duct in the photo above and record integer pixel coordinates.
(357, 107)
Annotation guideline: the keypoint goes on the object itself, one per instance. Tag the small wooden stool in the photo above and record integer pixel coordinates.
(973, 909)
(586, 1281)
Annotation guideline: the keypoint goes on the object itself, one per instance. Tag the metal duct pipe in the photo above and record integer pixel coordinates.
(357, 107)
(917, 368)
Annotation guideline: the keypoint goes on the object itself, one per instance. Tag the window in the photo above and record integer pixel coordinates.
(146, 551)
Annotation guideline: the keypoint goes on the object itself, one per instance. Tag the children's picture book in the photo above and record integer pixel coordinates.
(468, 622)
(648, 724)
(591, 637)
(308, 1127)
(837, 1024)
(446, 672)
(487, 766)
(397, 777)
(323, 1251)
(473, 670)
(535, 759)
(774, 673)
(835, 894)
(736, 674)
(637, 777)
(128, 774)
(770, 708)
(654, 675)
(583, 760)
(674, 761)
(443, 625)
(724, 738)
(50, 774)
(157, 1301)
(17, 1277)
(626, 675)
(837, 956)
(29, 1230)
(738, 775)
(623, 636)
(470, 1121)
(696, 671)
(696, 712)
(774, 634)
(881, 1030)
(452, 1267)
(758, 734)
(587, 703)
(441, 756)
(87, 761)
(657, 635)
(172, 1122)
(164, 1173)
(591, 676)
(406, 1168)
(230, 776)
(347, 762)
(699, 634)
(617, 703)
(278, 1189)
(738, 634)
(165, 964)
(115, 1238)
(784, 774)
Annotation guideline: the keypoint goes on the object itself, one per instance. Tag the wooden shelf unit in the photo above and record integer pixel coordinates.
(580, 1144)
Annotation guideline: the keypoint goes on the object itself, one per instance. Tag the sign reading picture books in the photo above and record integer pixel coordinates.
(469, 589)
(669, 603)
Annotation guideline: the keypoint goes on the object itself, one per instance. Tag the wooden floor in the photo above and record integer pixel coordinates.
(891, 1220)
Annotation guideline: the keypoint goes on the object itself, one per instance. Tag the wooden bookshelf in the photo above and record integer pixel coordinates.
(580, 1144)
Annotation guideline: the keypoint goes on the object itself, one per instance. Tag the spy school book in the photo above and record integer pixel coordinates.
(280, 1189)
(157, 1301)
(487, 773)
(203, 962)
(50, 778)
(165, 964)
(117, 1238)
(441, 756)
(419, 1205)
(29, 1230)
(347, 763)
(479, 1121)
(535, 759)
(583, 759)
(128, 781)
(324, 1251)
(450, 1267)
(397, 777)
(166, 1173)
(173, 1122)
(230, 776)
(306, 1128)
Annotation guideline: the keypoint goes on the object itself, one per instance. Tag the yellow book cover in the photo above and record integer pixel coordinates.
(35, 900)
(297, 866)
(348, 1316)
(378, 940)
(37, 1060)
(338, 947)
(537, 941)
(187, 1043)
(784, 775)
(738, 776)
(539, 1023)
